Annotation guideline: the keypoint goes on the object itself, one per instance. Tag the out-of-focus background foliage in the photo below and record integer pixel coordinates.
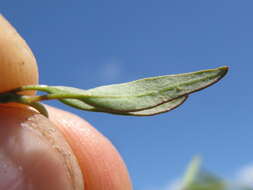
(91, 43)
(196, 178)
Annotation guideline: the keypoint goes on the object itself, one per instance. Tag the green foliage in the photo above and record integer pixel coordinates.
(207, 181)
(197, 179)
(144, 97)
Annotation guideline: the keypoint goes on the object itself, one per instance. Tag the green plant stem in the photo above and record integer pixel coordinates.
(53, 97)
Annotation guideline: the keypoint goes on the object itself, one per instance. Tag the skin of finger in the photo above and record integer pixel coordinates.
(34, 155)
(101, 164)
(17, 62)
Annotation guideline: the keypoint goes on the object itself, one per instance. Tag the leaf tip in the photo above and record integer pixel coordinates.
(223, 70)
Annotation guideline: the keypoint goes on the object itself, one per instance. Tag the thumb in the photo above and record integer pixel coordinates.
(34, 154)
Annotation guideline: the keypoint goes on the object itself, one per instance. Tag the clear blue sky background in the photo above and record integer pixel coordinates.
(91, 43)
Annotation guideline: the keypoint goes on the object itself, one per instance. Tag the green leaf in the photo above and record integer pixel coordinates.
(150, 92)
(148, 96)
(168, 106)
(197, 179)
(78, 103)
(38, 106)
(191, 172)
(148, 112)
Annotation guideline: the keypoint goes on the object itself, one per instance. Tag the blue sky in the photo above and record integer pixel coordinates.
(91, 43)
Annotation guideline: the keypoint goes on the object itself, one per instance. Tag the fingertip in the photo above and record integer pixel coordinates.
(101, 164)
(17, 62)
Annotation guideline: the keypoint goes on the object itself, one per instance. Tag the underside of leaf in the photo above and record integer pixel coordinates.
(150, 92)
(149, 96)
